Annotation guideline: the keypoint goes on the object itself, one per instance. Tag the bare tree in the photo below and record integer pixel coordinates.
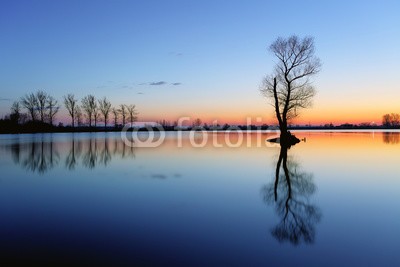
(391, 120)
(71, 105)
(78, 115)
(289, 87)
(15, 112)
(395, 119)
(123, 113)
(386, 120)
(132, 113)
(30, 102)
(96, 115)
(52, 107)
(105, 107)
(41, 104)
(89, 105)
(115, 113)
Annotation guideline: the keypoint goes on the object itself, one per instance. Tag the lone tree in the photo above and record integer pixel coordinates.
(289, 87)
(71, 105)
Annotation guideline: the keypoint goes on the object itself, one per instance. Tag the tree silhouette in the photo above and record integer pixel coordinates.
(115, 113)
(105, 107)
(71, 104)
(78, 115)
(53, 108)
(123, 113)
(15, 114)
(131, 109)
(29, 102)
(289, 87)
(41, 104)
(391, 120)
(290, 193)
(89, 106)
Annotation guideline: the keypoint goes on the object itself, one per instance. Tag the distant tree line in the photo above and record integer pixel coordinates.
(391, 120)
(37, 111)
(98, 110)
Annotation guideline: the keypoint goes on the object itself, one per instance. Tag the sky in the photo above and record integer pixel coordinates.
(204, 59)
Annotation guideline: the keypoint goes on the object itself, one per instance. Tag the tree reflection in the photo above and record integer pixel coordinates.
(391, 138)
(43, 155)
(290, 194)
(36, 156)
(74, 153)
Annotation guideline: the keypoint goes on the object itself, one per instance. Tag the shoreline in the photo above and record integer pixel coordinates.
(300, 129)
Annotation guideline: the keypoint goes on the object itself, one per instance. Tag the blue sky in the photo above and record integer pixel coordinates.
(215, 50)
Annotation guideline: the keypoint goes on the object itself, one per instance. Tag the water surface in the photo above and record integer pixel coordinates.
(89, 199)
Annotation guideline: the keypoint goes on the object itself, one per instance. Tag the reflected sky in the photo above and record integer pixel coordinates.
(89, 198)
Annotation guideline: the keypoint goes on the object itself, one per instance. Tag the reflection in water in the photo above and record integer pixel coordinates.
(391, 138)
(39, 156)
(290, 193)
(42, 155)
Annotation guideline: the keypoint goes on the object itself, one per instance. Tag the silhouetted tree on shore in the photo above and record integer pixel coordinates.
(115, 113)
(123, 113)
(78, 116)
(391, 120)
(41, 101)
(89, 106)
(131, 109)
(105, 107)
(289, 87)
(71, 104)
(29, 102)
(53, 108)
(15, 114)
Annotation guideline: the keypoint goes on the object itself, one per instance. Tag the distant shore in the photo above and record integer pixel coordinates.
(27, 129)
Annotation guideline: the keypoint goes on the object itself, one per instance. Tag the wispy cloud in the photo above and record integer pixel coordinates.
(158, 83)
(140, 93)
(5, 99)
(177, 54)
(176, 84)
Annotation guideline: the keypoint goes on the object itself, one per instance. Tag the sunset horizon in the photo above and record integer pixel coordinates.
(184, 65)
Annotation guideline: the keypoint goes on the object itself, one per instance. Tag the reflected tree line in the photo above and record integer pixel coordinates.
(290, 194)
(42, 155)
(391, 138)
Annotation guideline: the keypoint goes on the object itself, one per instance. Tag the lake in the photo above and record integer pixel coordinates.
(91, 199)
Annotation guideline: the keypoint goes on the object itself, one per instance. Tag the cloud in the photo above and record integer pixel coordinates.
(5, 99)
(177, 54)
(159, 176)
(176, 84)
(158, 83)
(140, 93)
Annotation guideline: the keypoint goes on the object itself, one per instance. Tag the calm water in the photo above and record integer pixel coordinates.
(77, 199)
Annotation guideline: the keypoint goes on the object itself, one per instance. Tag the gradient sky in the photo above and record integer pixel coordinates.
(214, 51)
